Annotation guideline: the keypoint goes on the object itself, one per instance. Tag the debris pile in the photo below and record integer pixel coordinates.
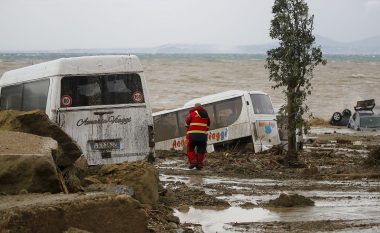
(141, 176)
(293, 200)
(30, 168)
(58, 213)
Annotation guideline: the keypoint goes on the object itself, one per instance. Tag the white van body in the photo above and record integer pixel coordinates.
(100, 101)
(247, 116)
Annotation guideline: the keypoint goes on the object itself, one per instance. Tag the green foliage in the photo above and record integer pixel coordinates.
(291, 64)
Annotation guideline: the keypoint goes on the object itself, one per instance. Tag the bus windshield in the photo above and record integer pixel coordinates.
(261, 104)
(106, 89)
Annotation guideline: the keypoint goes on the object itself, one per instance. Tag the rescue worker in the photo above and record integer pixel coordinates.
(197, 124)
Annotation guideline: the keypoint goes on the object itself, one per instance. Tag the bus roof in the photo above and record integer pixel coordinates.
(219, 96)
(209, 99)
(74, 66)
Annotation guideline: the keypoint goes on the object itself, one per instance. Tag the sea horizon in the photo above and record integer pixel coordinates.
(201, 56)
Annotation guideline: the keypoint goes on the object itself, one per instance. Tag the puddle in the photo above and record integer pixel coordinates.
(355, 204)
(217, 220)
(214, 220)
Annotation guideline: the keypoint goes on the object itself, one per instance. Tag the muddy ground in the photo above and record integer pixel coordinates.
(233, 191)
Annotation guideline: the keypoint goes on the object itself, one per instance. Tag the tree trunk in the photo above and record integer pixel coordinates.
(291, 156)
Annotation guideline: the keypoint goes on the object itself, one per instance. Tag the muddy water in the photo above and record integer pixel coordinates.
(336, 86)
(345, 200)
(174, 79)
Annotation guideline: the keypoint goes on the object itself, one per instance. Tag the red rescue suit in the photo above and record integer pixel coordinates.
(197, 124)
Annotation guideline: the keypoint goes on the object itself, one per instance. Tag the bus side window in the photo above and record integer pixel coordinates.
(35, 95)
(211, 114)
(166, 127)
(228, 111)
(11, 97)
(181, 121)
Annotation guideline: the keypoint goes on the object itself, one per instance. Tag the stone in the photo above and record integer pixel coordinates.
(26, 164)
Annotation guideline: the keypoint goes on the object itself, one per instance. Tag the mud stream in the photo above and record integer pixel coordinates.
(348, 206)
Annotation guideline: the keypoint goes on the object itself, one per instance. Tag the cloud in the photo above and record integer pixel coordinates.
(372, 3)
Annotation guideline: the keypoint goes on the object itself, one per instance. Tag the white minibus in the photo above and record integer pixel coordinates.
(100, 101)
(237, 117)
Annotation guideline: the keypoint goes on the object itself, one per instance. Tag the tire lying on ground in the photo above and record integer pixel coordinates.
(336, 118)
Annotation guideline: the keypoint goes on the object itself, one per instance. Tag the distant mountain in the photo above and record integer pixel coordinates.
(368, 46)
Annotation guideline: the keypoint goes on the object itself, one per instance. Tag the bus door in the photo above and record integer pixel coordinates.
(107, 116)
(252, 123)
(265, 131)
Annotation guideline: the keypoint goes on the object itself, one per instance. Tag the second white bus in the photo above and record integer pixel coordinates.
(237, 117)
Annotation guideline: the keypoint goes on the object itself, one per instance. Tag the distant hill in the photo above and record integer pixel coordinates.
(368, 46)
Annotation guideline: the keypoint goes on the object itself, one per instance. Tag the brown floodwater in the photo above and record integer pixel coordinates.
(173, 80)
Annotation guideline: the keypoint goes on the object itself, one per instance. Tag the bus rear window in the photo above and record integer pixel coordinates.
(101, 90)
(261, 104)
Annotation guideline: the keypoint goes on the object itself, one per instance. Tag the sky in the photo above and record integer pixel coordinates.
(65, 24)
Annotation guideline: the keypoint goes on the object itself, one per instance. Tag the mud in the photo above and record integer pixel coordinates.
(285, 200)
(336, 191)
(84, 212)
(229, 195)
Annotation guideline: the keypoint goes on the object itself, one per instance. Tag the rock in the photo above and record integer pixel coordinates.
(89, 180)
(141, 176)
(72, 180)
(110, 188)
(184, 208)
(171, 218)
(38, 123)
(57, 213)
(26, 164)
(293, 200)
(172, 225)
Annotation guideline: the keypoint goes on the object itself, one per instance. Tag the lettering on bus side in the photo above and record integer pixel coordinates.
(218, 136)
(111, 119)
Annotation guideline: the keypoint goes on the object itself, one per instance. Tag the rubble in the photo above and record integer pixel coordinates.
(96, 213)
(38, 123)
(141, 176)
(292, 200)
(27, 168)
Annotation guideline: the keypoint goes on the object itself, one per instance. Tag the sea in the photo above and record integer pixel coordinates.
(174, 79)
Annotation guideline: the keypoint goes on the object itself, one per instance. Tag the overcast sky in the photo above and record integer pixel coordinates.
(62, 24)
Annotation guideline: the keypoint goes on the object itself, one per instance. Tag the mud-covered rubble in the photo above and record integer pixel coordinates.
(323, 157)
(38, 123)
(336, 174)
(290, 200)
(180, 195)
(111, 198)
(27, 169)
(141, 176)
(60, 212)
